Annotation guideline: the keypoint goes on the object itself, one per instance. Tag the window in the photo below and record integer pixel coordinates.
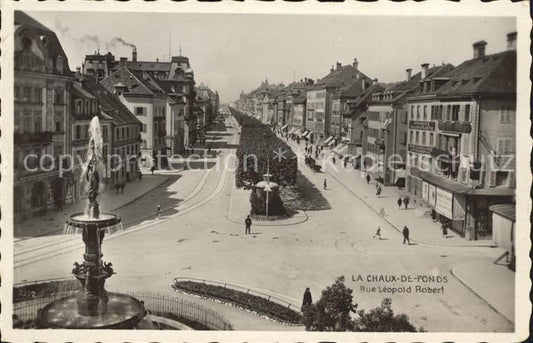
(58, 96)
(448, 112)
(417, 137)
(95, 106)
(417, 112)
(78, 106)
(505, 146)
(117, 133)
(144, 128)
(38, 124)
(78, 132)
(27, 123)
(411, 112)
(86, 131)
(139, 111)
(59, 64)
(411, 137)
(37, 95)
(86, 109)
(467, 113)
(455, 112)
(425, 113)
(423, 138)
(26, 94)
(123, 133)
(58, 126)
(431, 137)
(104, 132)
(505, 115)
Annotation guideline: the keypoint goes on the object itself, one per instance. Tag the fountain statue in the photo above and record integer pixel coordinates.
(93, 307)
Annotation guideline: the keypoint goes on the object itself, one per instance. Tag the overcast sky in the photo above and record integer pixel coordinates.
(232, 52)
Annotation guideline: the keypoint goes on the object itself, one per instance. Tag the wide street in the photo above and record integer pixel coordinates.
(194, 238)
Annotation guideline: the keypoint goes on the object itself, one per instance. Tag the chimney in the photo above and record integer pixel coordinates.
(479, 49)
(375, 81)
(339, 65)
(157, 60)
(424, 70)
(511, 41)
(355, 64)
(123, 61)
(408, 74)
(332, 69)
(134, 54)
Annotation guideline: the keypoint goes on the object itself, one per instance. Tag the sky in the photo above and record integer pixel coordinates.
(234, 52)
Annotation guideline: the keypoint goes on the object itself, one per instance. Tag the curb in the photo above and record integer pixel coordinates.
(478, 295)
(398, 229)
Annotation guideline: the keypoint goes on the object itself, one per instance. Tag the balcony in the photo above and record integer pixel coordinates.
(455, 126)
(33, 138)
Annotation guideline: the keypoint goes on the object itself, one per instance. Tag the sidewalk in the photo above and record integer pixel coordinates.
(421, 227)
(52, 222)
(494, 283)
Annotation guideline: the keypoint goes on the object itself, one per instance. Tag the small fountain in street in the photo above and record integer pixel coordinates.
(93, 307)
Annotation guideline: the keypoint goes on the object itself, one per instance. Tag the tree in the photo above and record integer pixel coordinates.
(332, 311)
(382, 319)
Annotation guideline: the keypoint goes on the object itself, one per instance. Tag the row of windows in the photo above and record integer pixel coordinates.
(440, 112)
(421, 139)
(86, 107)
(35, 95)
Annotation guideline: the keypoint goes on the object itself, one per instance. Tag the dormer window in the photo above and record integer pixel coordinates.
(59, 64)
(79, 106)
(86, 109)
(26, 43)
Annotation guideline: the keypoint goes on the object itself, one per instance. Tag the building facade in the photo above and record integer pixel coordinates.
(42, 86)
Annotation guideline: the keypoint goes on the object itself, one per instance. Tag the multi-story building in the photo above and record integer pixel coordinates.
(386, 144)
(462, 140)
(42, 82)
(148, 101)
(319, 98)
(99, 66)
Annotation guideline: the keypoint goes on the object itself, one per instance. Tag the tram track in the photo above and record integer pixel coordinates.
(63, 246)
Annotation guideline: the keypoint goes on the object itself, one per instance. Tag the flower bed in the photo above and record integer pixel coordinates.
(245, 300)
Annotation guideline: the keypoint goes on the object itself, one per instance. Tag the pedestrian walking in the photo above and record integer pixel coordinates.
(333, 159)
(122, 185)
(367, 179)
(406, 202)
(158, 213)
(152, 168)
(325, 184)
(117, 186)
(378, 233)
(378, 191)
(382, 212)
(400, 203)
(248, 225)
(405, 232)
(308, 299)
(444, 229)
(345, 163)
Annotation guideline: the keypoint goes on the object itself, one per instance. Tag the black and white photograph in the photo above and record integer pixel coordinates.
(324, 174)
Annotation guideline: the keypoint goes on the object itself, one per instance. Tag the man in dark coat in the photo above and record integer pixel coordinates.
(248, 224)
(405, 232)
(406, 202)
(367, 179)
(400, 203)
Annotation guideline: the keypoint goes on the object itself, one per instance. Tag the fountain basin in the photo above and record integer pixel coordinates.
(123, 312)
(105, 221)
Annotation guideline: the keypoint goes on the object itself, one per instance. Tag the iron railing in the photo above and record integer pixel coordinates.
(26, 311)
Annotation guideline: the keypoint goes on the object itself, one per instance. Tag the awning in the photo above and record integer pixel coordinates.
(440, 181)
(292, 130)
(505, 210)
(339, 149)
(376, 168)
(332, 142)
(284, 126)
(450, 134)
(306, 133)
(328, 140)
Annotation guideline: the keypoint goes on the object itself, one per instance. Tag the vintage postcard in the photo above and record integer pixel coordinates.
(265, 172)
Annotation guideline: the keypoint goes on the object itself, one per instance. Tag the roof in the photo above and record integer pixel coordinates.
(441, 182)
(490, 74)
(148, 66)
(110, 104)
(134, 82)
(53, 47)
(505, 210)
(433, 72)
(341, 77)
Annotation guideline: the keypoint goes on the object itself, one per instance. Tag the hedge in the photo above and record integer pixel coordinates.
(258, 140)
(244, 300)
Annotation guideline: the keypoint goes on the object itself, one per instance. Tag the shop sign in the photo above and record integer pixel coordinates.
(444, 204)
(422, 125)
(425, 191)
(432, 195)
(419, 149)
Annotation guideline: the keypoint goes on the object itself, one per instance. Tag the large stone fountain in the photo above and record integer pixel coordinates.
(93, 307)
